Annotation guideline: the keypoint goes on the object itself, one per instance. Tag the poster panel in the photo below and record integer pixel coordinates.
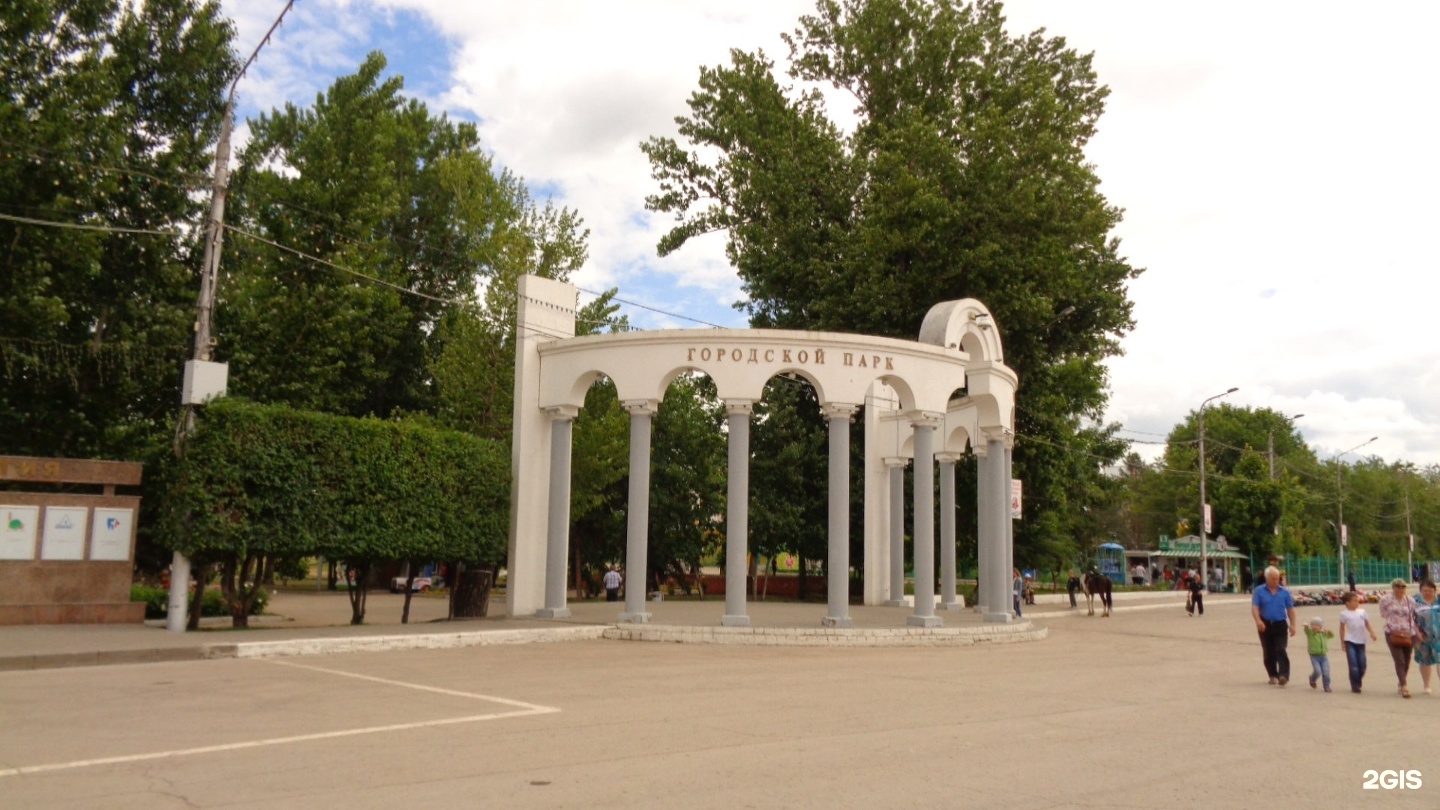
(64, 537)
(18, 525)
(110, 534)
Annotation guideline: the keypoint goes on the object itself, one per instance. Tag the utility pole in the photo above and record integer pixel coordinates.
(1341, 535)
(1204, 527)
(1409, 533)
(178, 606)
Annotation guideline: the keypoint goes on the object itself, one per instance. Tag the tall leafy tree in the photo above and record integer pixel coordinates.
(964, 175)
(687, 477)
(419, 218)
(108, 111)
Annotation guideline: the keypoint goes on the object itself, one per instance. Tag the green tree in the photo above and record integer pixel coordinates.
(372, 181)
(964, 176)
(1248, 505)
(789, 458)
(687, 478)
(108, 111)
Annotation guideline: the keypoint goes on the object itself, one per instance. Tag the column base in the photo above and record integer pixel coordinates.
(837, 621)
(923, 621)
(634, 618)
(734, 620)
(553, 613)
(897, 603)
(957, 605)
(998, 618)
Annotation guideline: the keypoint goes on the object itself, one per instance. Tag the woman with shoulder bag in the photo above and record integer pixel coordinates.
(1402, 631)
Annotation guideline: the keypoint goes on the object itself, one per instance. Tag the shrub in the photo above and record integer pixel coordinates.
(157, 602)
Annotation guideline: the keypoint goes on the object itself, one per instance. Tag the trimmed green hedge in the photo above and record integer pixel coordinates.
(275, 481)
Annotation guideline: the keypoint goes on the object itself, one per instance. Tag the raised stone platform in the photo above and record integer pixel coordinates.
(831, 636)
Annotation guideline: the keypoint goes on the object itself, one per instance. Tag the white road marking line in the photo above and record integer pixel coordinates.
(526, 710)
(420, 687)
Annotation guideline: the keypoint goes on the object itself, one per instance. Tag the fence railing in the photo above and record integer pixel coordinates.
(1326, 570)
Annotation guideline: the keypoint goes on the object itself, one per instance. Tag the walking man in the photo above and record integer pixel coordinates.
(612, 585)
(1273, 609)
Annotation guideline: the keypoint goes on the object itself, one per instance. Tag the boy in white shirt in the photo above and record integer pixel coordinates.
(1354, 626)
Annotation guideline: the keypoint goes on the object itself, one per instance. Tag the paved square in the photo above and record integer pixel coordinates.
(1146, 709)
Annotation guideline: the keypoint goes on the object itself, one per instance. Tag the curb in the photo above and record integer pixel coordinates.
(1080, 611)
(830, 636)
(425, 641)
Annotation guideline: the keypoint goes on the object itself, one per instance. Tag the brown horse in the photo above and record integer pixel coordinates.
(1097, 584)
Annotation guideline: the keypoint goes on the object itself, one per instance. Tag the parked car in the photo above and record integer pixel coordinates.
(420, 585)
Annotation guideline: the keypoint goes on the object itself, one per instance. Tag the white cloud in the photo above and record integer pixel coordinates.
(1275, 163)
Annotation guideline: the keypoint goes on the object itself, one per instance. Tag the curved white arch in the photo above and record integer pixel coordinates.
(741, 361)
(966, 325)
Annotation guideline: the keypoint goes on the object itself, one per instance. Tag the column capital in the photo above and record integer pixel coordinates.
(640, 407)
(743, 407)
(999, 434)
(921, 419)
(838, 410)
(948, 458)
(896, 461)
(561, 411)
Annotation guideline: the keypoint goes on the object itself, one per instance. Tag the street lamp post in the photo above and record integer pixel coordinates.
(1271, 449)
(1340, 532)
(1271, 446)
(1204, 557)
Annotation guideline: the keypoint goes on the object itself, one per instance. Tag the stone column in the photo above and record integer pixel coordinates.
(924, 531)
(1006, 519)
(737, 511)
(562, 419)
(637, 531)
(949, 599)
(997, 504)
(837, 578)
(897, 532)
(985, 530)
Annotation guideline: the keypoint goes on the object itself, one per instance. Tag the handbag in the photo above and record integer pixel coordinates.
(1400, 639)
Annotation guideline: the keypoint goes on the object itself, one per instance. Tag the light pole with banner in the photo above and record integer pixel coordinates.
(1205, 507)
(1341, 535)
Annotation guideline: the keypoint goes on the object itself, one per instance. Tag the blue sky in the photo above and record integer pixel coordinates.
(1275, 162)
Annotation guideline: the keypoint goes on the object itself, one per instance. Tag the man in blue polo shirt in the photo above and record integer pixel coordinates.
(1274, 611)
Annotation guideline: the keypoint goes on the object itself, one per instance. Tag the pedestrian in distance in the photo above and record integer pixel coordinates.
(1273, 609)
(1072, 585)
(1350, 579)
(1354, 627)
(612, 585)
(1318, 645)
(1019, 586)
(1402, 630)
(1427, 649)
(1196, 603)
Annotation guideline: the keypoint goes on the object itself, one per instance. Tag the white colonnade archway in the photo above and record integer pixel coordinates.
(911, 415)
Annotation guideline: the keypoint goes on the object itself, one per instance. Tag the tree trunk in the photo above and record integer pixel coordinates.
(802, 588)
(360, 573)
(581, 591)
(470, 595)
(200, 572)
(410, 567)
(332, 575)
